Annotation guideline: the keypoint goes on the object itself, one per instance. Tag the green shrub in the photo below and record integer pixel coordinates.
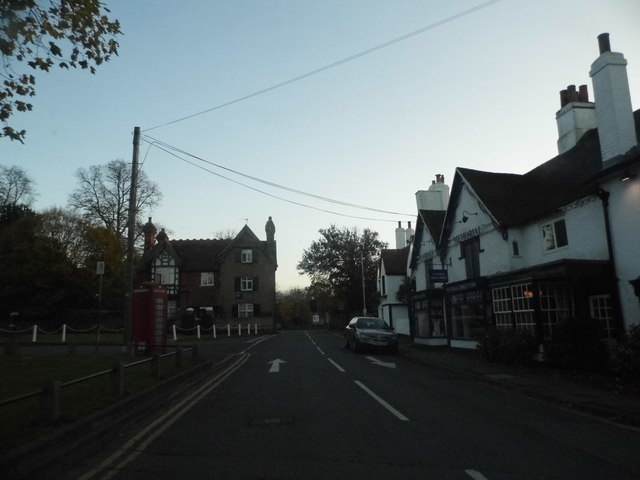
(627, 361)
(578, 344)
(508, 346)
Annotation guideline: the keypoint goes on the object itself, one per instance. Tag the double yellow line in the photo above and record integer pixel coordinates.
(137, 444)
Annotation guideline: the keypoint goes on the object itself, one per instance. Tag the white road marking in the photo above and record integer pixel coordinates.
(275, 365)
(380, 363)
(320, 350)
(336, 365)
(257, 342)
(475, 475)
(382, 402)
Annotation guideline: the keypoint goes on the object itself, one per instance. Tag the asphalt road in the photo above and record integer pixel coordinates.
(297, 405)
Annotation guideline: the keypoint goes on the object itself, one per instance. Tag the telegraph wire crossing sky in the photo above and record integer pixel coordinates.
(473, 84)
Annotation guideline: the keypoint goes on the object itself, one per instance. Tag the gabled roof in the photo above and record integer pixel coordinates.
(513, 199)
(433, 220)
(245, 234)
(395, 260)
(191, 255)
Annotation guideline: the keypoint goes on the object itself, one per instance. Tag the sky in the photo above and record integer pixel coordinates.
(478, 90)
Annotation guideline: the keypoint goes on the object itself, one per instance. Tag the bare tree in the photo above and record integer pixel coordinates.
(16, 187)
(102, 197)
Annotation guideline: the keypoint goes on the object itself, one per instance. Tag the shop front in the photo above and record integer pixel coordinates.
(468, 307)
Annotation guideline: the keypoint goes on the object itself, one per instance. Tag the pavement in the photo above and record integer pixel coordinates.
(592, 394)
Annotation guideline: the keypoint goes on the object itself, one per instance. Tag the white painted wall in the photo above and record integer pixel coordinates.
(624, 216)
(584, 222)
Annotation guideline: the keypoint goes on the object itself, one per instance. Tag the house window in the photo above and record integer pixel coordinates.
(554, 235)
(246, 255)
(246, 284)
(383, 286)
(601, 309)
(164, 272)
(245, 310)
(470, 251)
(206, 279)
(516, 249)
(555, 305)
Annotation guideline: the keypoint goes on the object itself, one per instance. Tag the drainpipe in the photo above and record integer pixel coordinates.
(617, 307)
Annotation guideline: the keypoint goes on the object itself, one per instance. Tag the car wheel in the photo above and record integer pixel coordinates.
(393, 350)
(346, 343)
(356, 346)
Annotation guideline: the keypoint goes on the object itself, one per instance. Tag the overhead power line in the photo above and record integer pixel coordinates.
(155, 141)
(175, 153)
(332, 65)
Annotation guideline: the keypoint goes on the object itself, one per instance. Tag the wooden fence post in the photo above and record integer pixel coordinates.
(50, 402)
(117, 379)
(179, 358)
(156, 365)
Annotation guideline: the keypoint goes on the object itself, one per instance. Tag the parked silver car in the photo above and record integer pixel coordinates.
(370, 332)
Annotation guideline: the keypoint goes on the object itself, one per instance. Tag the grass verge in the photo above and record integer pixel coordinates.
(22, 421)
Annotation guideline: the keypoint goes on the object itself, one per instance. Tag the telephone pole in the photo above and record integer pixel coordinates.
(131, 234)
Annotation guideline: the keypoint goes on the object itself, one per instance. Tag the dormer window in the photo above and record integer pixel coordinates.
(206, 279)
(554, 235)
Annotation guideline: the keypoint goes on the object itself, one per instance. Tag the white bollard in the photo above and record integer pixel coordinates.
(34, 336)
(64, 332)
(198, 331)
(255, 328)
(214, 332)
(239, 330)
(175, 337)
(248, 329)
(228, 330)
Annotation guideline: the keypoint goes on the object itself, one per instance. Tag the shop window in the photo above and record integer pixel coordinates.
(554, 235)
(601, 309)
(513, 307)
(556, 304)
(470, 251)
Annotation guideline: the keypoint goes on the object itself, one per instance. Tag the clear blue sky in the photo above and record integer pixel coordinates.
(480, 92)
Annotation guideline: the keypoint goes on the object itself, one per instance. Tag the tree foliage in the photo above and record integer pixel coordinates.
(336, 263)
(65, 34)
(16, 187)
(293, 307)
(102, 196)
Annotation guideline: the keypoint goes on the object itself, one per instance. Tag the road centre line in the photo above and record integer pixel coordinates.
(336, 365)
(320, 350)
(475, 475)
(138, 443)
(381, 401)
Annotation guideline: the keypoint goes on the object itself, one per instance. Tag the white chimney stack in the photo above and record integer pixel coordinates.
(401, 236)
(616, 127)
(436, 198)
(576, 116)
(409, 232)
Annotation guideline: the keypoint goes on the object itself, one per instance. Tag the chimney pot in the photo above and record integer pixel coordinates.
(603, 43)
(583, 93)
(572, 93)
(564, 98)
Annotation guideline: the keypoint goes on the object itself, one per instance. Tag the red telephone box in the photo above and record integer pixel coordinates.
(149, 329)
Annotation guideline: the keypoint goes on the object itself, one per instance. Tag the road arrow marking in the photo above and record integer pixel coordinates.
(380, 363)
(275, 365)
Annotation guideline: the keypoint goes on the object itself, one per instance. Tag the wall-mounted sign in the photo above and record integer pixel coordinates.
(438, 276)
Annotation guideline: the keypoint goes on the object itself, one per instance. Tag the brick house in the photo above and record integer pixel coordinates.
(222, 280)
